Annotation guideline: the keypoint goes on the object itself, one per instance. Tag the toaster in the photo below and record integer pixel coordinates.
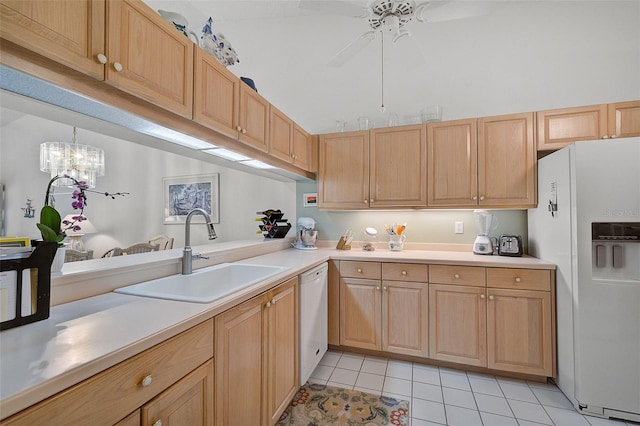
(510, 245)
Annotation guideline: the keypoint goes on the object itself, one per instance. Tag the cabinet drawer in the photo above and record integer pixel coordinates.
(523, 279)
(405, 272)
(109, 396)
(458, 275)
(353, 269)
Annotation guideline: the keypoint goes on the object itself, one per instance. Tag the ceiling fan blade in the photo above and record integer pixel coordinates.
(352, 49)
(333, 7)
(448, 10)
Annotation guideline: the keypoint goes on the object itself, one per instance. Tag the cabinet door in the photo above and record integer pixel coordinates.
(458, 324)
(398, 167)
(360, 313)
(301, 148)
(254, 119)
(69, 32)
(343, 172)
(452, 163)
(506, 161)
(280, 135)
(624, 119)
(188, 402)
(405, 318)
(238, 359)
(216, 92)
(281, 348)
(148, 57)
(558, 128)
(519, 335)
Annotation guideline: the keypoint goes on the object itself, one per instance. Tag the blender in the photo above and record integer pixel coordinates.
(306, 235)
(485, 223)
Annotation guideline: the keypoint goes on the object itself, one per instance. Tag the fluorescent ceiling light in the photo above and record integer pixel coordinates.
(257, 164)
(172, 136)
(226, 154)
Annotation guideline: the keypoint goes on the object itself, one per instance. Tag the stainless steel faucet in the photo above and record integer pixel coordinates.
(187, 255)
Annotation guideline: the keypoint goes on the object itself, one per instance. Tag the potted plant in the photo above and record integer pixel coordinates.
(52, 227)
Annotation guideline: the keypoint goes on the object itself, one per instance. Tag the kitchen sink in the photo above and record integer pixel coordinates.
(204, 285)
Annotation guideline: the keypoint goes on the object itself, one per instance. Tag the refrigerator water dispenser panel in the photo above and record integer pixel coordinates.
(616, 250)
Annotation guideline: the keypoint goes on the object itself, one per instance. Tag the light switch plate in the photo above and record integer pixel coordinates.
(459, 227)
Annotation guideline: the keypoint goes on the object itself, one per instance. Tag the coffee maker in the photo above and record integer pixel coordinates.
(306, 234)
(485, 223)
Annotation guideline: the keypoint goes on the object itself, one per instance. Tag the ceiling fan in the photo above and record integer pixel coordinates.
(389, 17)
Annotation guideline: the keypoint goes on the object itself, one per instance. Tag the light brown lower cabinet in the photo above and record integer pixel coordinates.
(174, 375)
(458, 318)
(257, 358)
(386, 315)
(498, 318)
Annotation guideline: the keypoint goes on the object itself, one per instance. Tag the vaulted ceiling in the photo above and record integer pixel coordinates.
(511, 56)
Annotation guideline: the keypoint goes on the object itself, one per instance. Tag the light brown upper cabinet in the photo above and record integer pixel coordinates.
(624, 119)
(558, 128)
(148, 57)
(122, 42)
(280, 135)
(301, 148)
(216, 95)
(506, 161)
(343, 170)
(253, 124)
(72, 33)
(379, 168)
(452, 154)
(398, 167)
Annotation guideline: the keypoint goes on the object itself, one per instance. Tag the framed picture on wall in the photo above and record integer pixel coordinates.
(310, 199)
(185, 193)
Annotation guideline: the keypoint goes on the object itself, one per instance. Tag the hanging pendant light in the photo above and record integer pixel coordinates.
(81, 162)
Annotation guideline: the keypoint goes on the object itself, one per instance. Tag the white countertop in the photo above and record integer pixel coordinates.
(84, 337)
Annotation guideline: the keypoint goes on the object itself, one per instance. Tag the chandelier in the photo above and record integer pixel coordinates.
(81, 162)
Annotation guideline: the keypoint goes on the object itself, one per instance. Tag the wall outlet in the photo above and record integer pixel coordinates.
(459, 227)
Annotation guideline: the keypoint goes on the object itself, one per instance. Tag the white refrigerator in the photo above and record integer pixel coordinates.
(588, 223)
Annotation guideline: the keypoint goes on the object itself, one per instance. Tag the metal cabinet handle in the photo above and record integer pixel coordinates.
(268, 305)
(605, 136)
(491, 298)
(384, 288)
(118, 66)
(158, 423)
(474, 198)
(456, 276)
(482, 198)
(404, 272)
(518, 279)
(482, 296)
(366, 201)
(377, 287)
(614, 136)
(273, 301)
(238, 128)
(101, 58)
(244, 131)
(146, 381)
(359, 270)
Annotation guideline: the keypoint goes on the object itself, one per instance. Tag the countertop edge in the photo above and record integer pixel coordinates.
(301, 261)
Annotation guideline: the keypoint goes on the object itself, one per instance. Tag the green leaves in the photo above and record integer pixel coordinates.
(49, 225)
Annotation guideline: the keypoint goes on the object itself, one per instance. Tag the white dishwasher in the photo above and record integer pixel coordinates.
(313, 319)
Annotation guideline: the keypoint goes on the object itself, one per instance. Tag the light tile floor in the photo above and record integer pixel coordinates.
(444, 396)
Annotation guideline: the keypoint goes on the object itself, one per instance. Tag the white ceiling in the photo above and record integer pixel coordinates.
(516, 56)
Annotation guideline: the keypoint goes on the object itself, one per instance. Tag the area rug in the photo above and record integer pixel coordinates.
(319, 405)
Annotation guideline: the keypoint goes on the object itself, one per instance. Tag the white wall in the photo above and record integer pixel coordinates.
(131, 168)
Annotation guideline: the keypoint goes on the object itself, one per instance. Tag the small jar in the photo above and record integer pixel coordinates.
(370, 239)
